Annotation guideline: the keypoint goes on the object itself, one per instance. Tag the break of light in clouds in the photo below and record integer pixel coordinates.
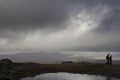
(92, 55)
(59, 25)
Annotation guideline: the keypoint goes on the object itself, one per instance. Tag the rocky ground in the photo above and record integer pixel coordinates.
(15, 71)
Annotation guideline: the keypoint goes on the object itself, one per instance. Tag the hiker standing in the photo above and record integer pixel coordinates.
(107, 58)
(110, 60)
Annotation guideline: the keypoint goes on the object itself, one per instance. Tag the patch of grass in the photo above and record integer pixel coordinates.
(28, 69)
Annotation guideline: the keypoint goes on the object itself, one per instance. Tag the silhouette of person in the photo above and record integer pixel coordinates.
(107, 58)
(110, 60)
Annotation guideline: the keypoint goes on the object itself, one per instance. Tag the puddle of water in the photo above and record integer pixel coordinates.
(67, 76)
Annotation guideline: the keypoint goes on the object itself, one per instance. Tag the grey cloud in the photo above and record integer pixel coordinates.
(112, 21)
(24, 16)
(18, 18)
(29, 14)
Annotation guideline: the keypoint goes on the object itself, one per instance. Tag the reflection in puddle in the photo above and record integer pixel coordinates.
(67, 76)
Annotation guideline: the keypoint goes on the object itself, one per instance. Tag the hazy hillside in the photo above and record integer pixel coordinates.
(49, 57)
(43, 57)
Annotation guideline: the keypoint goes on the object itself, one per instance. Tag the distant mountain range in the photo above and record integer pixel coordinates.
(39, 57)
(46, 57)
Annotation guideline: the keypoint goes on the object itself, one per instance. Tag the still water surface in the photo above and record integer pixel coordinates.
(67, 76)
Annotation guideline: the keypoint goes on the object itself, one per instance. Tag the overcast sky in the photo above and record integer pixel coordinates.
(60, 25)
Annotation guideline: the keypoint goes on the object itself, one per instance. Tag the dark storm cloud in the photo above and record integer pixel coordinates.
(112, 21)
(18, 18)
(110, 26)
(29, 14)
